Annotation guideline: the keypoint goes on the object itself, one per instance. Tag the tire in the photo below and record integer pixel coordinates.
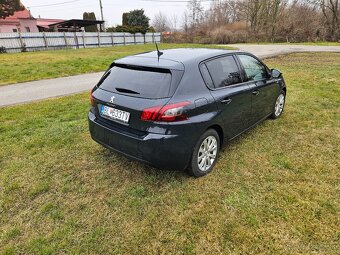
(279, 105)
(200, 164)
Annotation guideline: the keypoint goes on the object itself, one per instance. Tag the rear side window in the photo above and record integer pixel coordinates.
(254, 69)
(206, 76)
(224, 71)
(137, 81)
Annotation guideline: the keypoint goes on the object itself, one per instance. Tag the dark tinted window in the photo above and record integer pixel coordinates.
(224, 71)
(254, 69)
(139, 82)
(206, 76)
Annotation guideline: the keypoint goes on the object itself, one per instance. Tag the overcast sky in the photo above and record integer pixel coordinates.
(113, 9)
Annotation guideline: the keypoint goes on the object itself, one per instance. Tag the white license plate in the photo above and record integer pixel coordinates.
(114, 114)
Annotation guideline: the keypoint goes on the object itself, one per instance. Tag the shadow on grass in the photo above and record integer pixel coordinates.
(144, 170)
(136, 169)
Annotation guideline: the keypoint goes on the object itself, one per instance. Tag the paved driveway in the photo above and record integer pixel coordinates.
(271, 50)
(38, 90)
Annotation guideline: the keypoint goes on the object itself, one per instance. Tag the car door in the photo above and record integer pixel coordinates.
(264, 89)
(232, 96)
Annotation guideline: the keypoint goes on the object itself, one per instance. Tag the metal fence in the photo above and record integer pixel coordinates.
(16, 42)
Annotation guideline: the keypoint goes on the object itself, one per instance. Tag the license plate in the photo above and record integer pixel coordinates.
(114, 114)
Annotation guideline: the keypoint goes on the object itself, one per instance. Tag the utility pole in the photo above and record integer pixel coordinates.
(102, 26)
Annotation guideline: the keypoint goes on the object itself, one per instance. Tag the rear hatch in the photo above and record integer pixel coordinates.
(126, 90)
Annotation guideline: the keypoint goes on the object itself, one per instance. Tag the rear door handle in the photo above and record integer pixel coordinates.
(256, 92)
(226, 101)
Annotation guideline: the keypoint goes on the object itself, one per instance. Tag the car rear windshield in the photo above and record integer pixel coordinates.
(137, 81)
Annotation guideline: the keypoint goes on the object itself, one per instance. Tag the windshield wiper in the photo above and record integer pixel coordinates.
(122, 90)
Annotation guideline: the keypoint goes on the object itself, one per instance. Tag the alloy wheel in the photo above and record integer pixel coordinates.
(207, 153)
(279, 105)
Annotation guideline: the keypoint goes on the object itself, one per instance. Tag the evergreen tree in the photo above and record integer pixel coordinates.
(90, 16)
(137, 18)
(125, 19)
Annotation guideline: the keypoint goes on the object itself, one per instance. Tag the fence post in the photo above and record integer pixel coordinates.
(134, 38)
(65, 40)
(45, 40)
(84, 43)
(98, 39)
(113, 43)
(144, 38)
(76, 40)
(20, 39)
(124, 38)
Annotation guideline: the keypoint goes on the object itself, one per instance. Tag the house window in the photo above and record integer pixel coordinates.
(15, 30)
(28, 29)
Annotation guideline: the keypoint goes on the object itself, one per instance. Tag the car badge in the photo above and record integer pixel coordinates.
(112, 99)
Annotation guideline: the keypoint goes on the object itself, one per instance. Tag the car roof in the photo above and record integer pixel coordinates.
(173, 58)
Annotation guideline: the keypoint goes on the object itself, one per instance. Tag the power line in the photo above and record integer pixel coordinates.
(61, 3)
(158, 1)
(176, 1)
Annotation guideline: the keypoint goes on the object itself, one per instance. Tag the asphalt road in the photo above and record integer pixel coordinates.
(271, 50)
(38, 90)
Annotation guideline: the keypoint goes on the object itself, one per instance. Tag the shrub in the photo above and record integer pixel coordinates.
(240, 36)
(221, 35)
(3, 50)
(24, 48)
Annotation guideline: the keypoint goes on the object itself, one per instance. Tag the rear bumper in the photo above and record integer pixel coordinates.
(162, 151)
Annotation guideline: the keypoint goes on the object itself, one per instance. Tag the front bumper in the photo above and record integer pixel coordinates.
(160, 150)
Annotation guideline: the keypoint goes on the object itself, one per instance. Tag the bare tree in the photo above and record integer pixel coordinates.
(263, 20)
(331, 13)
(251, 9)
(173, 22)
(195, 12)
(299, 21)
(277, 7)
(224, 12)
(160, 22)
(185, 22)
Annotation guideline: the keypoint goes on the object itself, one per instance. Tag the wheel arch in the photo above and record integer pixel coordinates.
(219, 131)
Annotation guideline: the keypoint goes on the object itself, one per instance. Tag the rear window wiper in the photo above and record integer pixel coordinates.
(122, 90)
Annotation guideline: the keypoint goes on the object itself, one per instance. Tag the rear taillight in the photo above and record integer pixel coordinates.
(167, 113)
(91, 99)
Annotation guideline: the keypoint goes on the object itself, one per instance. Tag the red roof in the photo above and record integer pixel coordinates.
(46, 22)
(24, 14)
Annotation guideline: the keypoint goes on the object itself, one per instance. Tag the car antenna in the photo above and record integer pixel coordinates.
(159, 53)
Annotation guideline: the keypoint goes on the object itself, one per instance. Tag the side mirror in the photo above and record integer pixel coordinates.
(275, 73)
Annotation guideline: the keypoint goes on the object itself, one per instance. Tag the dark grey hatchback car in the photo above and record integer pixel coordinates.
(175, 111)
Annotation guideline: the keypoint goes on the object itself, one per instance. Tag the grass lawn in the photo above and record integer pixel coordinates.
(275, 190)
(30, 66)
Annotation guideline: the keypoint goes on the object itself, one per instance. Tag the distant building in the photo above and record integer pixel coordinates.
(45, 24)
(23, 21)
(59, 25)
(20, 21)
